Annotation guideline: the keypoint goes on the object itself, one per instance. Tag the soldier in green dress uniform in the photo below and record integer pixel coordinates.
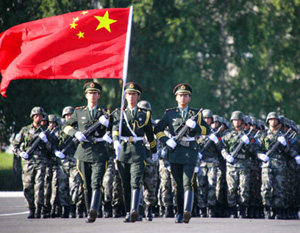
(92, 156)
(184, 154)
(130, 149)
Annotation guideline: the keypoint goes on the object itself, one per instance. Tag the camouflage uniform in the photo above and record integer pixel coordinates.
(34, 166)
(238, 169)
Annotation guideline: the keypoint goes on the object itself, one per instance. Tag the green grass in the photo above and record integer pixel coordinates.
(6, 167)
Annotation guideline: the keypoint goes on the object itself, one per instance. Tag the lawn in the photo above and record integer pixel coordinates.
(6, 170)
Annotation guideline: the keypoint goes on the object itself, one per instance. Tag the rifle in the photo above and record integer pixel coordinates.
(36, 142)
(184, 129)
(276, 145)
(239, 146)
(208, 143)
(90, 129)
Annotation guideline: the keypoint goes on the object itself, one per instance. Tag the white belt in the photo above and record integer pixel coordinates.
(185, 139)
(99, 139)
(131, 139)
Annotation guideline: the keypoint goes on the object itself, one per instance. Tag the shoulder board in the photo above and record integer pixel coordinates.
(82, 107)
(170, 109)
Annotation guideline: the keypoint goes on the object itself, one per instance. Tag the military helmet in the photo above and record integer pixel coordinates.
(37, 111)
(45, 118)
(247, 120)
(226, 123)
(52, 118)
(217, 118)
(254, 121)
(237, 115)
(207, 113)
(144, 104)
(272, 115)
(67, 110)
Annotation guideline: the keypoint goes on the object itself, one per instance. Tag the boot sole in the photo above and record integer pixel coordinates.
(186, 217)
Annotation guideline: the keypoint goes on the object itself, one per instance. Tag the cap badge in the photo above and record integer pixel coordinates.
(131, 85)
(92, 85)
(183, 87)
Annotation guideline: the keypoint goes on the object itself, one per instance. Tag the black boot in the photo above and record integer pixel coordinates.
(52, 212)
(107, 210)
(149, 216)
(212, 211)
(180, 204)
(100, 212)
(65, 212)
(116, 211)
(73, 211)
(141, 212)
(267, 211)
(135, 199)
(250, 212)
(38, 212)
(233, 212)
(162, 211)
(188, 205)
(242, 211)
(58, 211)
(31, 212)
(80, 211)
(45, 212)
(169, 212)
(179, 218)
(92, 215)
(127, 217)
(155, 210)
(203, 212)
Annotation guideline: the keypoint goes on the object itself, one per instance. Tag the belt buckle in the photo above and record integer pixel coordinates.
(130, 139)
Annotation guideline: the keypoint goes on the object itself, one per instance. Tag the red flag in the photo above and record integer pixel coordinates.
(84, 44)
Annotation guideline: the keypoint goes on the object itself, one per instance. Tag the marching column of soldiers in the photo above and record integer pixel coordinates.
(90, 162)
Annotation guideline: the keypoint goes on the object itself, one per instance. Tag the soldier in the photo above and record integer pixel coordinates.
(33, 163)
(131, 152)
(274, 167)
(70, 182)
(92, 157)
(236, 151)
(184, 154)
(150, 173)
(209, 165)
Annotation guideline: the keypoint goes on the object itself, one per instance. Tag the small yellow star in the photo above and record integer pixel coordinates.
(75, 19)
(80, 35)
(105, 22)
(73, 25)
(84, 12)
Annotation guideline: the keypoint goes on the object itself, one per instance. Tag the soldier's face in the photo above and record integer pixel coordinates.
(92, 96)
(208, 120)
(215, 125)
(183, 100)
(237, 123)
(132, 98)
(273, 122)
(37, 119)
(67, 116)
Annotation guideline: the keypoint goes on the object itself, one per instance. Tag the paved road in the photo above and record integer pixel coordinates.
(13, 219)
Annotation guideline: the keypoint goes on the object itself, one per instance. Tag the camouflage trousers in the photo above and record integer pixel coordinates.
(108, 181)
(255, 184)
(221, 186)
(150, 184)
(70, 183)
(290, 184)
(273, 183)
(167, 186)
(238, 183)
(117, 190)
(33, 183)
(51, 187)
(207, 183)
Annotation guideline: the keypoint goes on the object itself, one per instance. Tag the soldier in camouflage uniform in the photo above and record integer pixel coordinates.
(70, 182)
(274, 167)
(237, 165)
(34, 163)
(207, 176)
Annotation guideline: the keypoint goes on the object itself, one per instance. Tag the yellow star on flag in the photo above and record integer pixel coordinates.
(105, 22)
(80, 35)
(84, 12)
(75, 19)
(73, 25)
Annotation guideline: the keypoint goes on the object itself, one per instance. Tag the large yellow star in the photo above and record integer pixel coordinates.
(105, 22)
(73, 25)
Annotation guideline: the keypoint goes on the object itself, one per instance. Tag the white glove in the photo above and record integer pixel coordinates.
(107, 138)
(264, 157)
(171, 143)
(43, 136)
(229, 158)
(190, 123)
(24, 155)
(104, 121)
(200, 156)
(163, 152)
(196, 170)
(117, 147)
(80, 136)
(169, 168)
(282, 140)
(297, 158)
(155, 157)
(59, 154)
(245, 139)
(214, 138)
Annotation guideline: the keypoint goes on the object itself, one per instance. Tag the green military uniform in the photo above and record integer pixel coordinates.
(184, 157)
(91, 157)
(132, 155)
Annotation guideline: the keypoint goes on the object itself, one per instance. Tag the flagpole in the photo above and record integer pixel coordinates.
(125, 67)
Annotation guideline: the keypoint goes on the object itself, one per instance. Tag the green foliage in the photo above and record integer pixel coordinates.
(6, 165)
(237, 55)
